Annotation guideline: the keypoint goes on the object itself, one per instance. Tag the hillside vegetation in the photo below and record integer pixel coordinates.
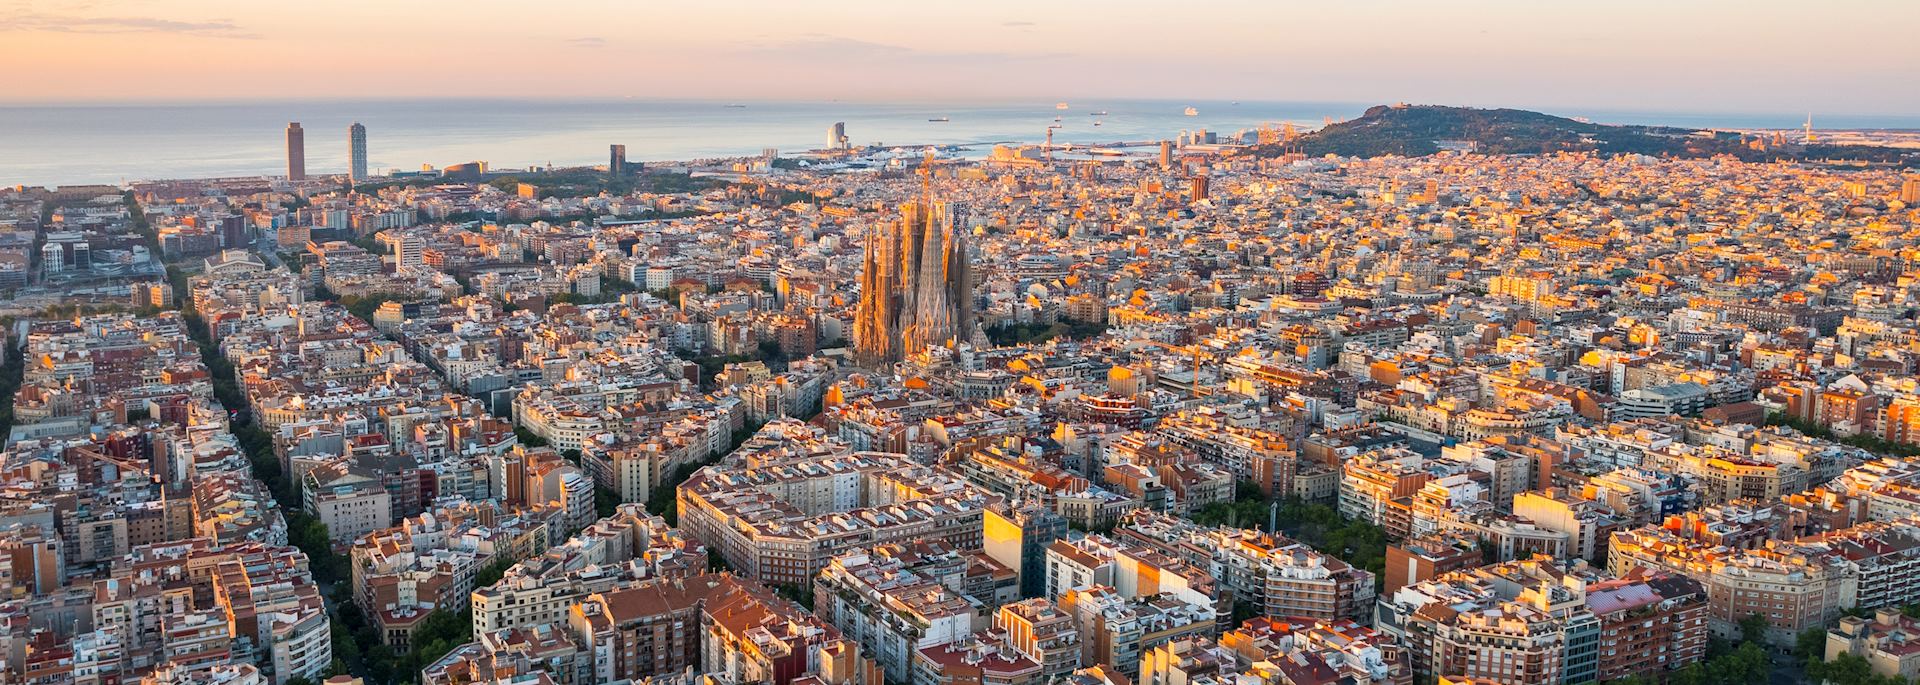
(1426, 129)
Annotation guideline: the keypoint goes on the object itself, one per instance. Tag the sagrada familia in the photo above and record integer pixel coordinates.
(916, 288)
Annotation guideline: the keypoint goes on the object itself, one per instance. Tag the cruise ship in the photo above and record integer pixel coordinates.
(1193, 112)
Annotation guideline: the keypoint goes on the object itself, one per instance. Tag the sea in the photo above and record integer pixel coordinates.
(62, 144)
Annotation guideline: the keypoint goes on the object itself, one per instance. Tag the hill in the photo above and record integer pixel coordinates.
(1427, 129)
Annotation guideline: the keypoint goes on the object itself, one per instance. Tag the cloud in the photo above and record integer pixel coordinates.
(587, 42)
(68, 24)
(840, 48)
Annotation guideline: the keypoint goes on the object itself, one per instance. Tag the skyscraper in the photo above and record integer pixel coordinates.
(916, 288)
(1910, 191)
(296, 152)
(617, 160)
(837, 136)
(1166, 154)
(357, 152)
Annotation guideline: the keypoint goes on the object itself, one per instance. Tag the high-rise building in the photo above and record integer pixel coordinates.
(409, 250)
(296, 152)
(357, 152)
(1166, 154)
(233, 231)
(1018, 537)
(837, 136)
(617, 160)
(1199, 188)
(916, 288)
(1910, 191)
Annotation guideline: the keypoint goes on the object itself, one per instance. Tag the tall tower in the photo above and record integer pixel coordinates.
(1166, 154)
(616, 160)
(296, 152)
(837, 136)
(357, 152)
(916, 286)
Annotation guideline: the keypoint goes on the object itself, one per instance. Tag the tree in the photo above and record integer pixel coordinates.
(526, 437)
(798, 593)
(1489, 552)
(1811, 644)
(438, 635)
(346, 652)
(605, 502)
(1845, 669)
(492, 573)
(770, 351)
(11, 374)
(1747, 664)
(1754, 629)
(1693, 674)
(379, 662)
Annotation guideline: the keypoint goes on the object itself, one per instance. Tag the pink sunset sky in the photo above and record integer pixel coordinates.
(1856, 56)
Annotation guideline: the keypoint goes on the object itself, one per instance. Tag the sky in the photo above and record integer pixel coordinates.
(1835, 56)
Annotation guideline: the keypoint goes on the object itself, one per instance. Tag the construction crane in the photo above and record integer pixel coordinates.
(926, 171)
(1195, 387)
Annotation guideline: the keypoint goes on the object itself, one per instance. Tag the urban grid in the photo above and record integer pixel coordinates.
(1219, 409)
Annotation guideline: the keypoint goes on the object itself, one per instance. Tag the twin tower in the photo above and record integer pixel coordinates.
(916, 287)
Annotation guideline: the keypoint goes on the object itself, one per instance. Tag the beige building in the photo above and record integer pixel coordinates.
(1889, 642)
(783, 523)
(1042, 632)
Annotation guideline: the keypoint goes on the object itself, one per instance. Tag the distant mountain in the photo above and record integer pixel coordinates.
(1426, 129)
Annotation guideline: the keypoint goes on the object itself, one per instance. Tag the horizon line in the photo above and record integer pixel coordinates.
(1572, 110)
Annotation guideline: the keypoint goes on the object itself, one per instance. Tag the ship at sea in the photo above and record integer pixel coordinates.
(1060, 106)
(1193, 112)
(1100, 113)
(939, 119)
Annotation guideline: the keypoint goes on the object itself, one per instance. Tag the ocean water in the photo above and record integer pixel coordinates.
(116, 143)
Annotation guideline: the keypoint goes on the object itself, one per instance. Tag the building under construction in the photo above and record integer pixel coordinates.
(916, 287)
